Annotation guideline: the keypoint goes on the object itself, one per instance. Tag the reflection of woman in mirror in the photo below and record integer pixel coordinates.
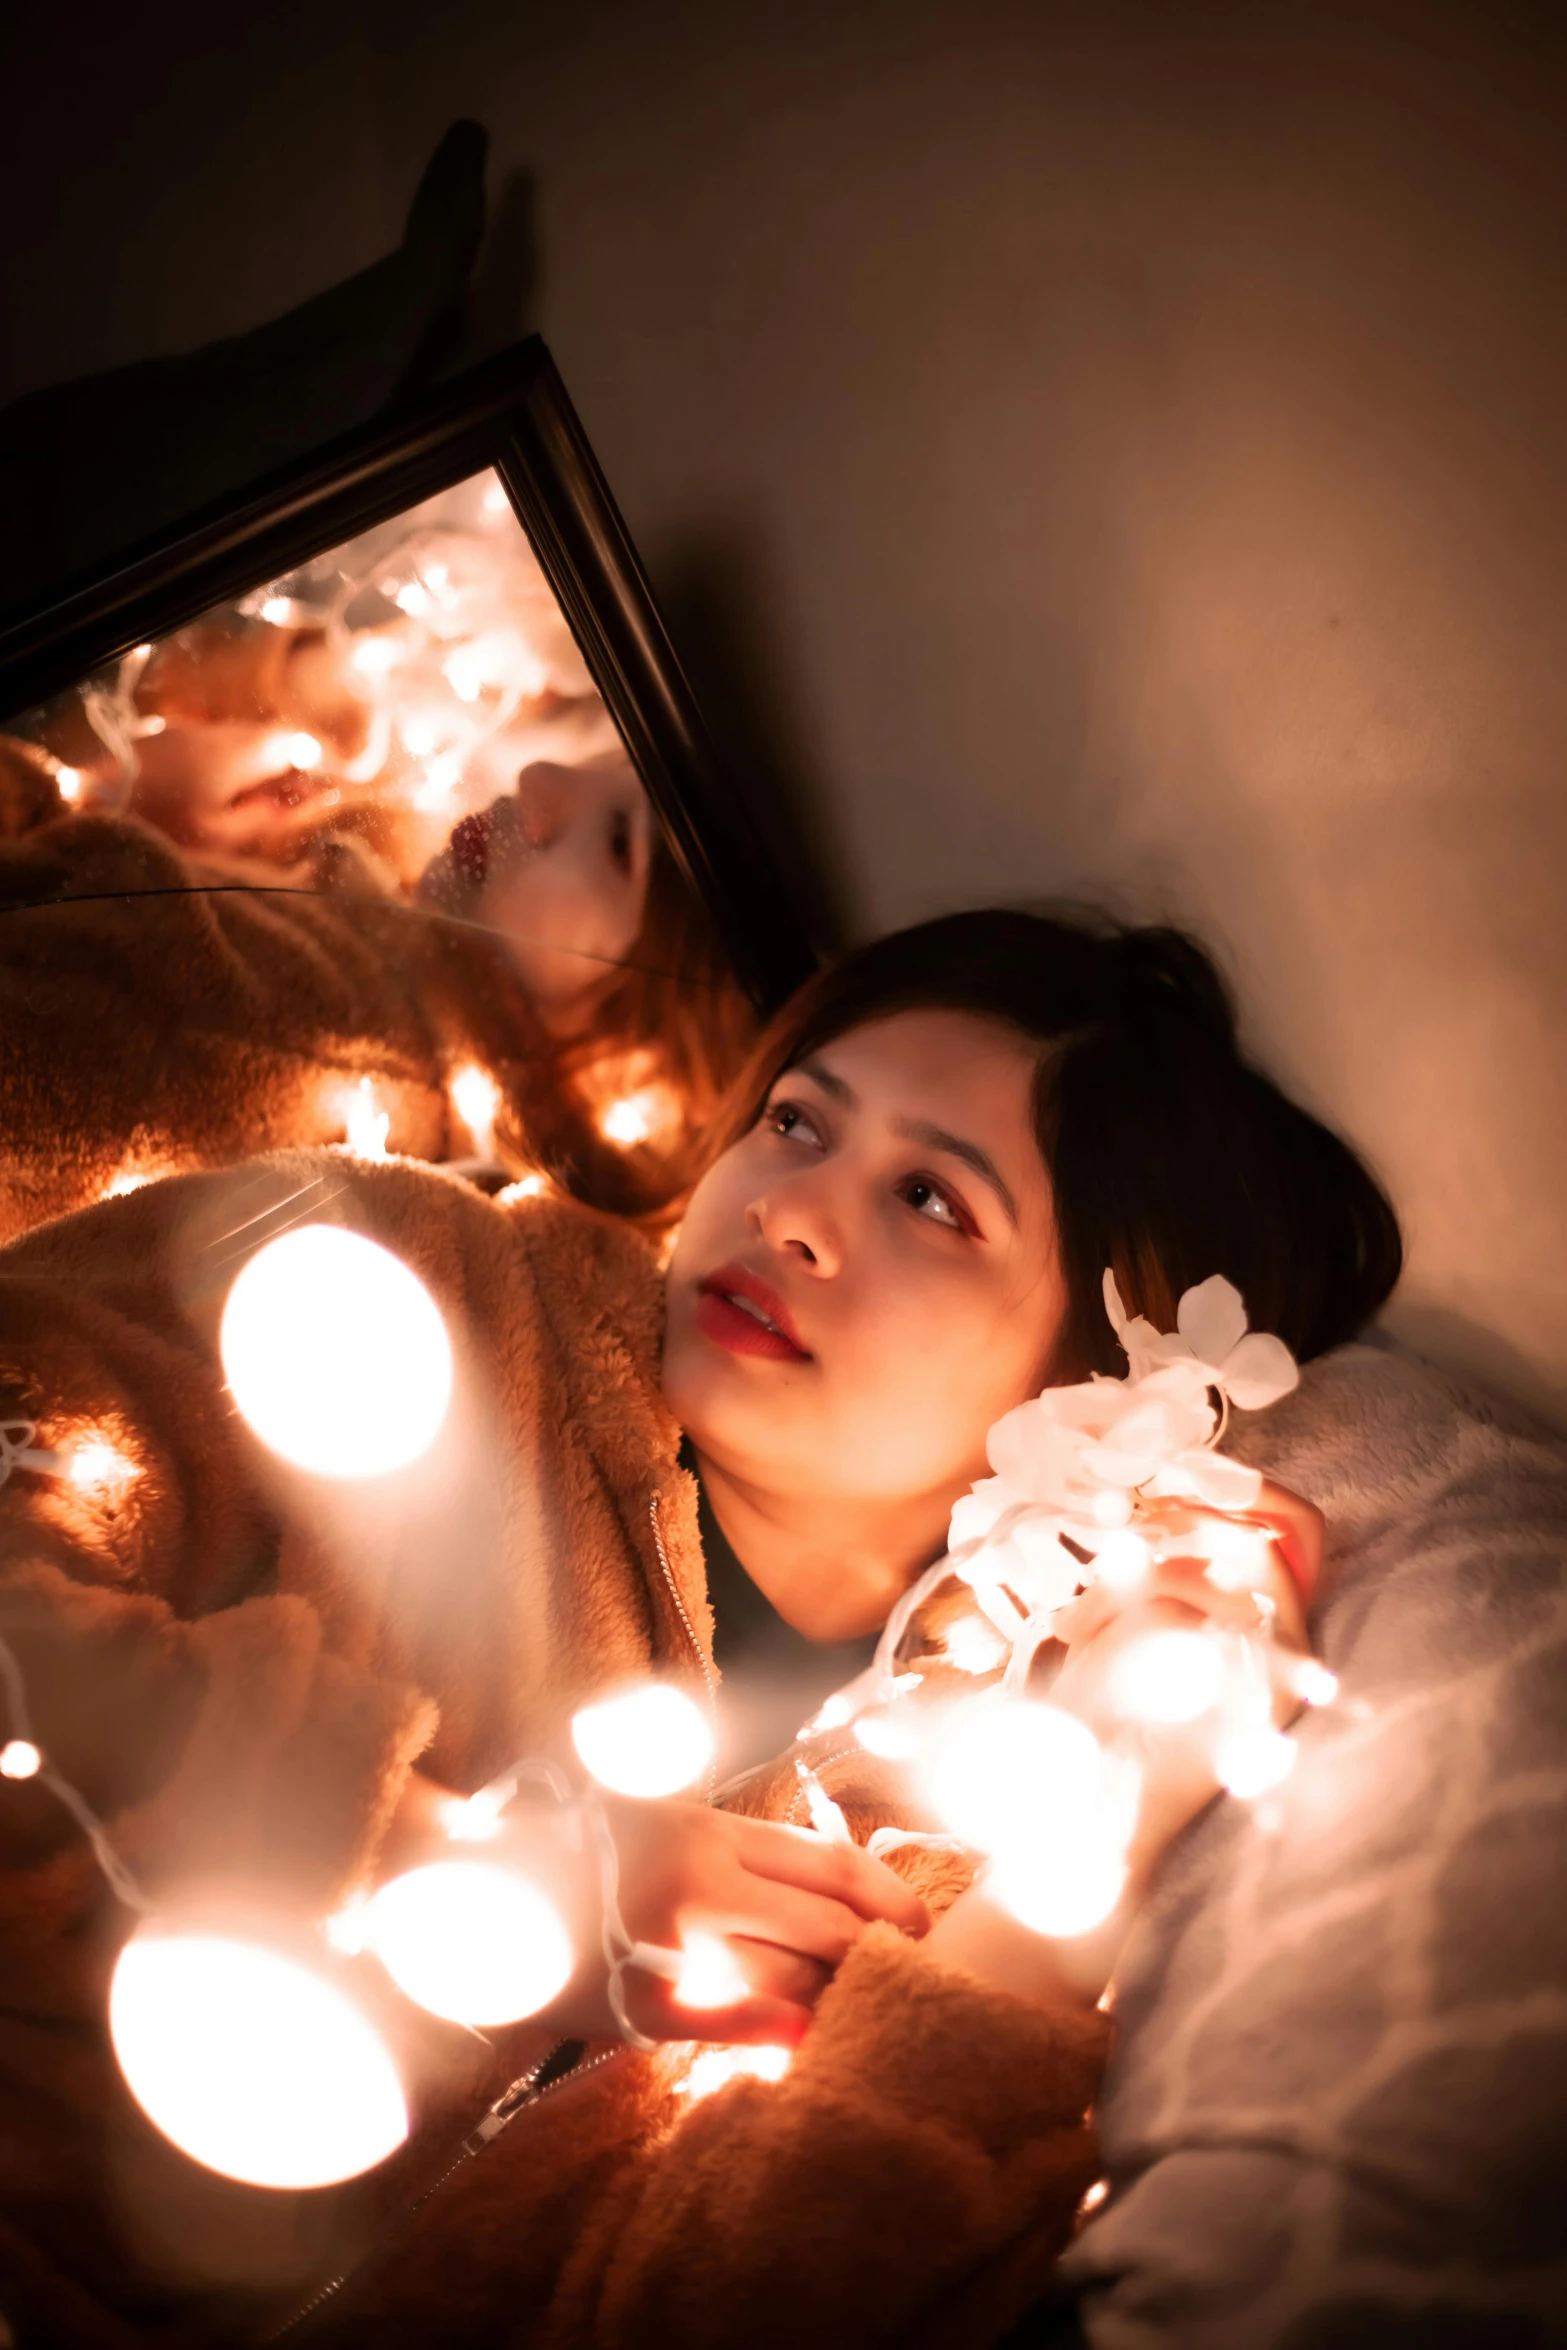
(941, 1146)
(551, 945)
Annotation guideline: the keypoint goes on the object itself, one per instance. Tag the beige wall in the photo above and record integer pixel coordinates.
(1108, 454)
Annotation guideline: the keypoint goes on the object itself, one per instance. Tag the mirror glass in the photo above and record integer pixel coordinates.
(358, 859)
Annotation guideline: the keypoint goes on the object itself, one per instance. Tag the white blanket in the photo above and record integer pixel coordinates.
(1337, 2114)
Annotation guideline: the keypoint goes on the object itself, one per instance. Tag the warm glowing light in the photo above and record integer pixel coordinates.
(96, 1466)
(299, 750)
(276, 610)
(1313, 1682)
(708, 1975)
(1065, 1888)
(367, 1125)
(442, 775)
(639, 1117)
(470, 1941)
(412, 599)
(831, 1716)
(826, 1816)
(886, 1735)
(374, 656)
(525, 1187)
(254, 2065)
(1001, 1763)
(125, 1183)
(68, 783)
(716, 2067)
(1237, 1555)
(1121, 1562)
(1168, 1677)
(475, 1819)
(336, 1354)
(972, 1647)
(20, 1759)
(1094, 2197)
(649, 1741)
(1111, 1506)
(1253, 1760)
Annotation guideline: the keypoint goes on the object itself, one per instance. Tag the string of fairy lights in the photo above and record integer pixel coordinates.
(262, 2049)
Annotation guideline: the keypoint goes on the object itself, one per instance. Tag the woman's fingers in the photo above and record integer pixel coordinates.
(844, 1874)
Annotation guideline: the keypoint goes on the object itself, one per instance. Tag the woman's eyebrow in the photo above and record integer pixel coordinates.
(936, 1138)
(829, 1081)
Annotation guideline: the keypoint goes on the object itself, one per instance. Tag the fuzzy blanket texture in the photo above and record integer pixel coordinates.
(1337, 2112)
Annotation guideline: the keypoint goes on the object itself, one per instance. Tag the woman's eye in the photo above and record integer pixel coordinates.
(929, 1200)
(620, 840)
(790, 1119)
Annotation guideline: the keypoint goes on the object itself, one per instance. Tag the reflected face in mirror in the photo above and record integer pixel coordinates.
(562, 872)
(868, 1279)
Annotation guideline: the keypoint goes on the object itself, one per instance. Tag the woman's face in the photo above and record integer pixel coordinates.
(566, 877)
(868, 1279)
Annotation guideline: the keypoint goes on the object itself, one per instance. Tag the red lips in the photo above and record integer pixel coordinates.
(743, 1313)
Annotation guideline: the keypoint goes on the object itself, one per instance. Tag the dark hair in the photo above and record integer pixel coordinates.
(1170, 1157)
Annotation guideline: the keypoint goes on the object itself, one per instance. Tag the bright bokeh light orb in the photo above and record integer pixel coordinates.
(649, 1741)
(708, 1975)
(471, 1941)
(999, 1765)
(1064, 1888)
(20, 1759)
(336, 1354)
(1168, 1677)
(254, 2065)
(1253, 1761)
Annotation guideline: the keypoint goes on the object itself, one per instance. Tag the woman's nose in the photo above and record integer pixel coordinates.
(797, 1220)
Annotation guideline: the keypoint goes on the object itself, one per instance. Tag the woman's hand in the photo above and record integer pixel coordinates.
(787, 1905)
(1176, 1761)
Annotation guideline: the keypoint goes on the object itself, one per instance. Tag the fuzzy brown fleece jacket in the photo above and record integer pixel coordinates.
(238, 1667)
(258, 1012)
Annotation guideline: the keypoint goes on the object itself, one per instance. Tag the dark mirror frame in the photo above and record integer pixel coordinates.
(512, 414)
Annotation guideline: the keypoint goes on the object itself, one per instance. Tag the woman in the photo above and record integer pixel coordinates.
(944, 1143)
(553, 948)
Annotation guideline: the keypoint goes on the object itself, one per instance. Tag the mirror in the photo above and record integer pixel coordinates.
(360, 855)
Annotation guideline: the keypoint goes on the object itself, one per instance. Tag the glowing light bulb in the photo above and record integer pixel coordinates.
(68, 783)
(373, 656)
(1000, 1762)
(253, 2064)
(972, 1647)
(1066, 1887)
(716, 2067)
(1122, 1561)
(826, 1816)
(367, 1125)
(96, 1466)
(1251, 1760)
(832, 1715)
(1237, 1555)
(470, 1941)
(649, 1741)
(275, 610)
(336, 1354)
(627, 1122)
(525, 1187)
(708, 1975)
(1094, 2196)
(882, 1733)
(412, 599)
(1313, 1682)
(125, 1183)
(300, 750)
(1168, 1677)
(20, 1759)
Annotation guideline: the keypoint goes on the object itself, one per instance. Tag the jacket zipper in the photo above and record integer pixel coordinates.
(696, 1645)
(521, 2096)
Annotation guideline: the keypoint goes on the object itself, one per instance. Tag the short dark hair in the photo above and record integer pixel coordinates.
(1170, 1156)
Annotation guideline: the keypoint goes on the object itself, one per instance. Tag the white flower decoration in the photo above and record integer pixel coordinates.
(1250, 1367)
